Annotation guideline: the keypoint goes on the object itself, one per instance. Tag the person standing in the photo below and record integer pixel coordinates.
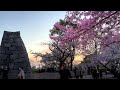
(76, 72)
(81, 72)
(88, 70)
(100, 73)
(5, 73)
(64, 73)
(94, 73)
(1, 71)
(21, 74)
(67, 72)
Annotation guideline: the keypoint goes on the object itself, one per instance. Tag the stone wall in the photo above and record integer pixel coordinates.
(13, 54)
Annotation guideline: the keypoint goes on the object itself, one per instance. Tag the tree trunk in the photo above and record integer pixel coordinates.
(71, 63)
(61, 63)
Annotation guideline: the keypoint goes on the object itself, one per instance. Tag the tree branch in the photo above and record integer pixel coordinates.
(97, 23)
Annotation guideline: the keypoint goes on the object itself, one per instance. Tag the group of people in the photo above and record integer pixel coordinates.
(115, 70)
(4, 73)
(96, 72)
(64, 73)
(78, 72)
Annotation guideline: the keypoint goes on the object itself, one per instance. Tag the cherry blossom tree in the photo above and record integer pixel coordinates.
(57, 55)
(88, 31)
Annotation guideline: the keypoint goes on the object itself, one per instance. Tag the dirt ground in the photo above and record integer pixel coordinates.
(55, 75)
(45, 75)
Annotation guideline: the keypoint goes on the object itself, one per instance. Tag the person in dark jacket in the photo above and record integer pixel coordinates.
(76, 72)
(5, 73)
(94, 73)
(88, 70)
(1, 72)
(100, 73)
(81, 72)
(67, 71)
(64, 73)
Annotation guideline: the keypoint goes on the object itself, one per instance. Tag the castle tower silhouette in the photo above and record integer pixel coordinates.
(14, 55)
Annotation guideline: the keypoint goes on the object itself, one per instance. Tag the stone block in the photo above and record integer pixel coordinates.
(7, 45)
(8, 52)
(18, 40)
(22, 55)
(17, 65)
(11, 36)
(6, 61)
(5, 48)
(15, 52)
(13, 56)
(28, 75)
(13, 74)
(12, 48)
(5, 41)
(3, 56)
(11, 65)
(20, 49)
(14, 44)
(2, 52)
(11, 60)
(19, 60)
(5, 37)
(11, 41)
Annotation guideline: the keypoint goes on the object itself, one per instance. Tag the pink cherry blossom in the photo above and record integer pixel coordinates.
(88, 24)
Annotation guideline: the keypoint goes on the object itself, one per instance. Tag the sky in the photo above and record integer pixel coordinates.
(34, 26)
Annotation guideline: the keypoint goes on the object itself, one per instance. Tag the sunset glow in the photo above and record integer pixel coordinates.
(34, 27)
(78, 59)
